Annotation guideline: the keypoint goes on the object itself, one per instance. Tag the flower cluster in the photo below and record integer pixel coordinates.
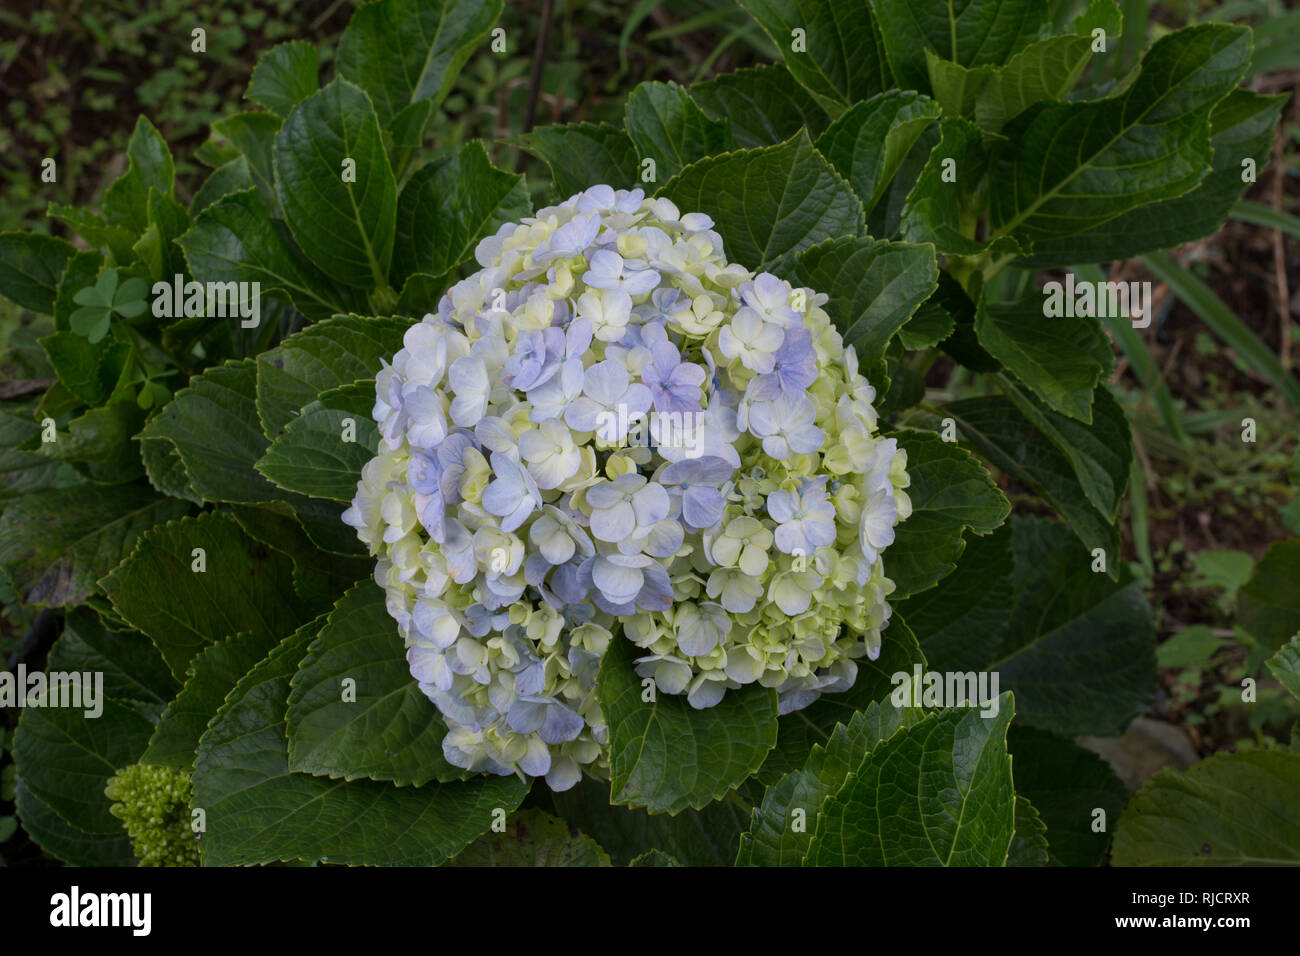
(609, 430)
(153, 804)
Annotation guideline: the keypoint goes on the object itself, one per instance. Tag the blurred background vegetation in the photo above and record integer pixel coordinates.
(1204, 505)
(74, 74)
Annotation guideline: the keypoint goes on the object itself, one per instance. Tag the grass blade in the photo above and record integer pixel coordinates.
(1257, 214)
(1131, 344)
(1200, 298)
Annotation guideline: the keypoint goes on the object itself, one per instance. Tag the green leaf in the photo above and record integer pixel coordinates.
(244, 587)
(99, 443)
(447, 206)
(314, 456)
(321, 521)
(1003, 435)
(403, 51)
(215, 151)
(91, 374)
(335, 185)
(1191, 647)
(1242, 127)
(769, 204)
(30, 267)
(705, 837)
(149, 166)
(930, 325)
(21, 472)
(962, 344)
(23, 365)
(65, 758)
(212, 673)
(132, 667)
(325, 355)
(165, 470)
(387, 730)
(1230, 810)
(82, 270)
(316, 572)
(234, 240)
(1080, 650)
(421, 292)
(1202, 300)
(763, 104)
(842, 59)
(1100, 452)
(253, 135)
(582, 155)
(970, 34)
(868, 144)
(654, 858)
(1029, 848)
(56, 403)
(885, 220)
(773, 840)
(92, 227)
(944, 204)
(1148, 143)
(1275, 41)
(1066, 784)
(954, 86)
(874, 286)
(57, 837)
(938, 793)
(285, 75)
(665, 755)
(1285, 665)
(1045, 69)
(962, 623)
(666, 125)
(157, 248)
(214, 427)
(101, 293)
(814, 724)
(259, 812)
(534, 838)
(407, 127)
(1268, 605)
(1060, 358)
(233, 177)
(56, 544)
(91, 322)
(950, 491)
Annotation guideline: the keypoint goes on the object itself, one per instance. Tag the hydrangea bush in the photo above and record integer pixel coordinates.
(643, 491)
(608, 432)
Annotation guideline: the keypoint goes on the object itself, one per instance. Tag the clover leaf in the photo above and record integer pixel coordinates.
(99, 301)
(152, 393)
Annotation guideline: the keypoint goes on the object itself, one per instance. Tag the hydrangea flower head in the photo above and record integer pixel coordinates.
(611, 433)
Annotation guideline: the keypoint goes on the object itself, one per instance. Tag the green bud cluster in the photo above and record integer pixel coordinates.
(153, 804)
